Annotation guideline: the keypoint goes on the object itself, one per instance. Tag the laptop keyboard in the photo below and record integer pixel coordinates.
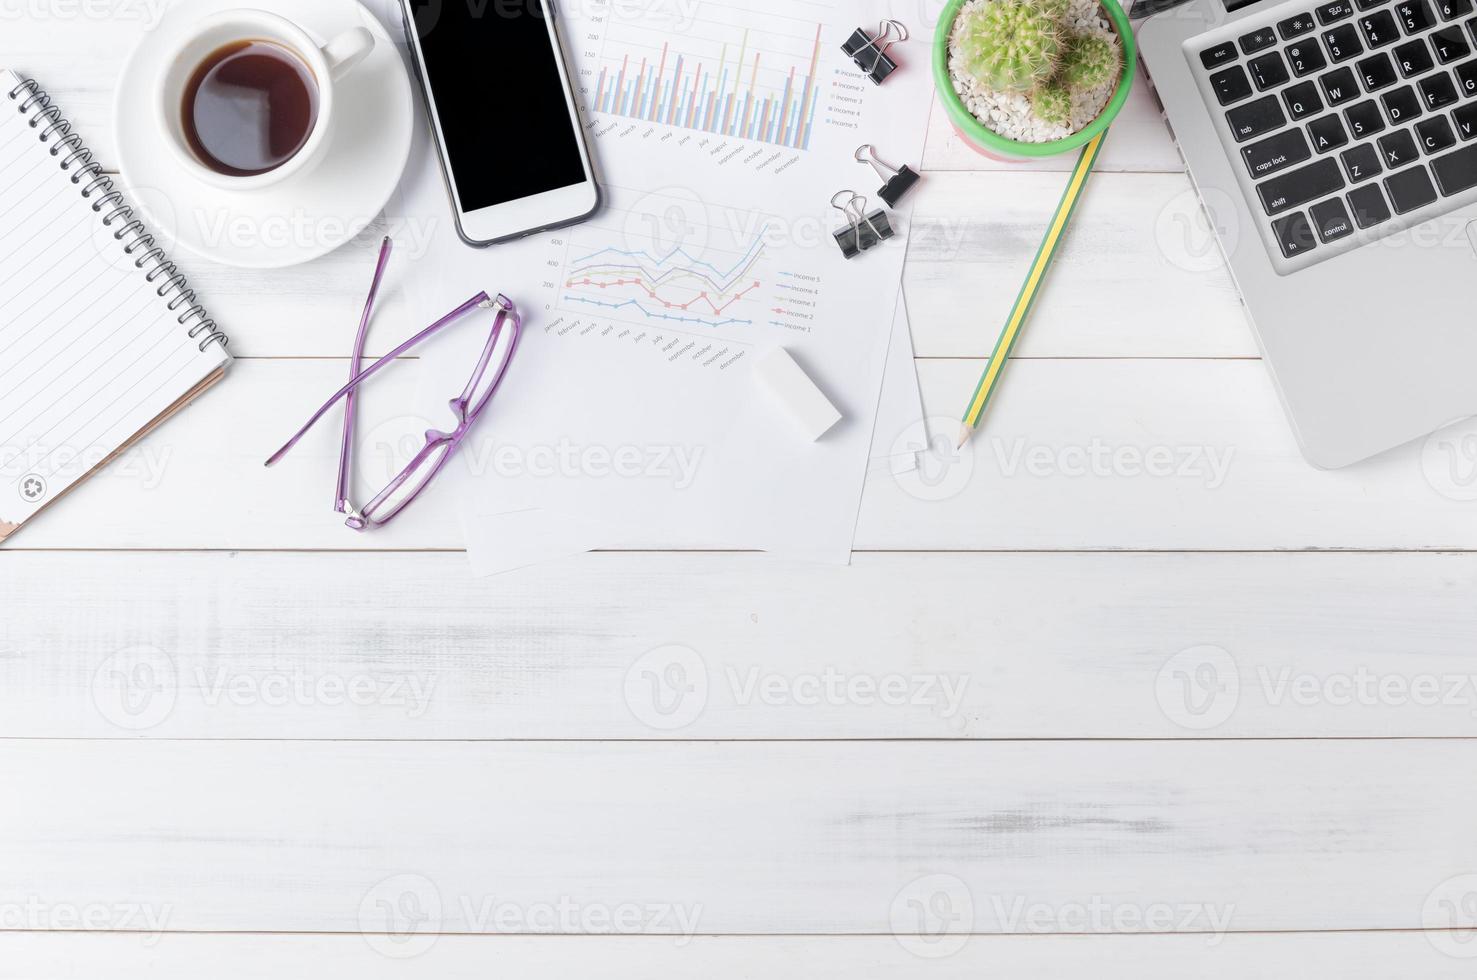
(1350, 114)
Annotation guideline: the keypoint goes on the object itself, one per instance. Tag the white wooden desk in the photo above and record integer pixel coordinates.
(1163, 721)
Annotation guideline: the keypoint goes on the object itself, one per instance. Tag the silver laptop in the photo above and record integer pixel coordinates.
(1335, 147)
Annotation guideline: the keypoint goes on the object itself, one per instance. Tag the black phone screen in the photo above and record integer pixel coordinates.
(493, 71)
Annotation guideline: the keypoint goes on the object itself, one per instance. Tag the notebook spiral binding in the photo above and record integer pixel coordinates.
(90, 177)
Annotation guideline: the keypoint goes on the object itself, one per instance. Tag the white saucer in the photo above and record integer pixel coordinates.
(305, 216)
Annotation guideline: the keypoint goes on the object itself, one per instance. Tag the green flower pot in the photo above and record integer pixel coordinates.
(991, 143)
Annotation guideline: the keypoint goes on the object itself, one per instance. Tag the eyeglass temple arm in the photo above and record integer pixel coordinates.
(341, 498)
(375, 368)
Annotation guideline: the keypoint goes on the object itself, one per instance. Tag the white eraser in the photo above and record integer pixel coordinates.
(796, 393)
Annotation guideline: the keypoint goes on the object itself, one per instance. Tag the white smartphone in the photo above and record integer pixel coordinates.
(503, 115)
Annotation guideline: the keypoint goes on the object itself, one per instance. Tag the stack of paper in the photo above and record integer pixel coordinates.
(631, 415)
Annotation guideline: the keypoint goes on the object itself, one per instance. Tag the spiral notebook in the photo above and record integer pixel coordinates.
(101, 338)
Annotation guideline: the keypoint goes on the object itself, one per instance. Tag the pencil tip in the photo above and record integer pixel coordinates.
(965, 432)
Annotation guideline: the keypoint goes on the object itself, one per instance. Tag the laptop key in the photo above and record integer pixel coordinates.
(1339, 86)
(1466, 121)
(1337, 10)
(1457, 171)
(1295, 188)
(1221, 54)
(1331, 220)
(1401, 105)
(1439, 91)
(1231, 85)
(1255, 118)
(1398, 149)
(1295, 26)
(1450, 44)
(1343, 42)
(1327, 133)
(1276, 153)
(1452, 9)
(1302, 100)
(1258, 40)
(1294, 235)
(1268, 71)
(1379, 29)
(1466, 78)
(1377, 72)
(1414, 58)
(1306, 57)
(1368, 205)
(1361, 163)
(1414, 16)
(1434, 134)
(1410, 189)
(1364, 119)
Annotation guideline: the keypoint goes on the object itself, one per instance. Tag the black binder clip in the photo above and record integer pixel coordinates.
(863, 231)
(896, 183)
(870, 53)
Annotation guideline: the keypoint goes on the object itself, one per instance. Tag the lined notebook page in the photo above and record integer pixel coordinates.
(90, 353)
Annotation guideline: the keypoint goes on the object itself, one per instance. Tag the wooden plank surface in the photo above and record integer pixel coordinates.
(1103, 454)
(148, 697)
(973, 235)
(686, 838)
(1379, 956)
(985, 646)
(1139, 256)
(978, 224)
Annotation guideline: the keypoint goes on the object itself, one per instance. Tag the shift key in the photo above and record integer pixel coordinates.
(1292, 190)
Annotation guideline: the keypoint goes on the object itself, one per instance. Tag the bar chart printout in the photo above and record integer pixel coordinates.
(752, 83)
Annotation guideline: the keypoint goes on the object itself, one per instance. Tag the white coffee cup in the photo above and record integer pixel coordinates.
(328, 63)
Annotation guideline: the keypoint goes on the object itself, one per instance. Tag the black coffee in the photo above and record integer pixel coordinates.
(249, 108)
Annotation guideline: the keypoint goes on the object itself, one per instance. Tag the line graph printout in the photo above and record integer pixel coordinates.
(663, 264)
(672, 286)
(640, 324)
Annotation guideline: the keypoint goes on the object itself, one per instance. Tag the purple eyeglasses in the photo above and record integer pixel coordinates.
(502, 343)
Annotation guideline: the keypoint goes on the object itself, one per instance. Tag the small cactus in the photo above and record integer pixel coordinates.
(1010, 45)
(1090, 60)
(1027, 47)
(1055, 9)
(1053, 104)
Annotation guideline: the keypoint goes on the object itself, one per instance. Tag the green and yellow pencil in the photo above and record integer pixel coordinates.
(1032, 288)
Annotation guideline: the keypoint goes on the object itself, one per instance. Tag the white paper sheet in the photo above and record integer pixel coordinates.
(500, 543)
(630, 404)
(900, 414)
